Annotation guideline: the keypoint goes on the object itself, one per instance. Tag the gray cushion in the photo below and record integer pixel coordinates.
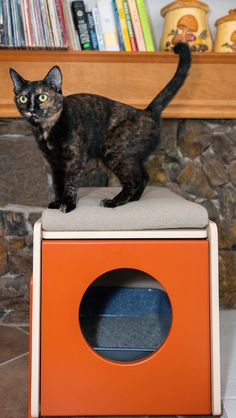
(158, 208)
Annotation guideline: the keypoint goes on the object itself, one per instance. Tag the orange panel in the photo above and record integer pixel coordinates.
(174, 380)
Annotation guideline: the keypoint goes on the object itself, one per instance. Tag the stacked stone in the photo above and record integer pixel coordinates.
(198, 161)
(195, 158)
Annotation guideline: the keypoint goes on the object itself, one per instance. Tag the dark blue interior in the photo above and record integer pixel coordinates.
(125, 324)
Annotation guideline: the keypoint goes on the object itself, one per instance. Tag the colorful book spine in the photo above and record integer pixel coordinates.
(5, 34)
(58, 24)
(14, 23)
(39, 25)
(129, 26)
(91, 25)
(26, 23)
(53, 17)
(118, 25)
(80, 19)
(136, 25)
(1, 23)
(61, 24)
(145, 25)
(98, 28)
(108, 25)
(21, 25)
(34, 24)
(44, 24)
(92, 31)
(49, 24)
(73, 36)
(124, 28)
(32, 37)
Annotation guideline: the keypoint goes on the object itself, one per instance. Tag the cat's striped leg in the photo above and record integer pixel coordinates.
(133, 178)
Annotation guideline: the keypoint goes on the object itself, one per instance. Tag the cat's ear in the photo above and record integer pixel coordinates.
(54, 78)
(18, 82)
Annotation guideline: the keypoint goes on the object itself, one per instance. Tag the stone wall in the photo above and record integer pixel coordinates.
(196, 159)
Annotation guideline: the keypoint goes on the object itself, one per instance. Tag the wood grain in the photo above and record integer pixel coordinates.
(132, 78)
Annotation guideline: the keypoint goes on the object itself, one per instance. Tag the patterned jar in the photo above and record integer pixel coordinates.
(226, 33)
(185, 21)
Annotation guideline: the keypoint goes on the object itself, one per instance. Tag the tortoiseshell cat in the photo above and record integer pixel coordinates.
(73, 129)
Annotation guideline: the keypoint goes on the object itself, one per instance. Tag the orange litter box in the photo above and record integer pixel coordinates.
(124, 309)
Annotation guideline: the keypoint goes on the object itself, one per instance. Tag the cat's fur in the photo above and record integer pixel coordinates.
(73, 129)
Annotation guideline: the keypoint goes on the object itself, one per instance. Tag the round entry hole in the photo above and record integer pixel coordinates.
(125, 315)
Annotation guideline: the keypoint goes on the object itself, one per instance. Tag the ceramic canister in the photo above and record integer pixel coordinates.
(185, 21)
(226, 33)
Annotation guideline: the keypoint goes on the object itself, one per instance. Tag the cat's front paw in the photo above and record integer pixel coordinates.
(67, 206)
(108, 203)
(54, 205)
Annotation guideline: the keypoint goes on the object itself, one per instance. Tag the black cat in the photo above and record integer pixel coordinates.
(73, 129)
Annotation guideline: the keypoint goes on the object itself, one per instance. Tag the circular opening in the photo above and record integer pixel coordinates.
(125, 315)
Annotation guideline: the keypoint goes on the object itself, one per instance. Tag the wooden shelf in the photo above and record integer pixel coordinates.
(133, 78)
(99, 56)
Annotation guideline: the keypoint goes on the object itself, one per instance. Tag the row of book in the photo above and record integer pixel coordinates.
(32, 24)
(103, 25)
(111, 25)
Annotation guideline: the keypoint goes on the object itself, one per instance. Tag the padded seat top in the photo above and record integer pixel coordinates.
(158, 208)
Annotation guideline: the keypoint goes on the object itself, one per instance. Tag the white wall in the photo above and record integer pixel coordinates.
(218, 8)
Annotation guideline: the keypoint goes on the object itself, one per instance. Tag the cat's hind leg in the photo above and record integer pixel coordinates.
(133, 178)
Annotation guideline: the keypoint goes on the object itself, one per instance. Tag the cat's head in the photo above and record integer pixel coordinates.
(39, 101)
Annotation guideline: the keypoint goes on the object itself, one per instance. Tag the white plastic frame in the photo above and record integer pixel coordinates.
(210, 232)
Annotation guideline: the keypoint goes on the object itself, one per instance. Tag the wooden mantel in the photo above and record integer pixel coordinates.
(132, 78)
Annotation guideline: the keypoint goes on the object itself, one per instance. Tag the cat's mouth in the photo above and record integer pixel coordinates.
(31, 116)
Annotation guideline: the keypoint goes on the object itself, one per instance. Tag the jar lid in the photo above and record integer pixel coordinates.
(229, 18)
(184, 3)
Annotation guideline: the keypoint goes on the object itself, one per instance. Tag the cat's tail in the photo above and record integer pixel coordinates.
(164, 97)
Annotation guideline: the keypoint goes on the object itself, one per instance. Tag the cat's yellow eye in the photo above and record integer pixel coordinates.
(23, 99)
(43, 98)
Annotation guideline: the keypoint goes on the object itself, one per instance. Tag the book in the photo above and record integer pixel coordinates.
(80, 19)
(98, 28)
(11, 40)
(118, 26)
(49, 24)
(39, 25)
(62, 26)
(108, 25)
(32, 24)
(129, 26)
(1, 23)
(91, 25)
(5, 25)
(25, 22)
(32, 35)
(56, 25)
(19, 12)
(136, 25)
(124, 28)
(51, 10)
(14, 24)
(73, 37)
(145, 25)
(45, 27)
